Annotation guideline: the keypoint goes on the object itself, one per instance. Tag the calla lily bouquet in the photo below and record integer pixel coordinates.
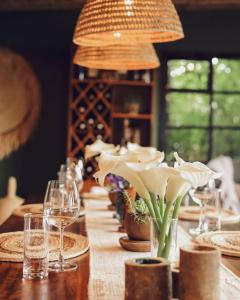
(162, 187)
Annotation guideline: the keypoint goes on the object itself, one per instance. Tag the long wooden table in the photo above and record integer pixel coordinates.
(68, 285)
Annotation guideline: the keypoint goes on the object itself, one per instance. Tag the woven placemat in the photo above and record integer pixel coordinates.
(228, 242)
(34, 208)
(11, 246)
(192, 213)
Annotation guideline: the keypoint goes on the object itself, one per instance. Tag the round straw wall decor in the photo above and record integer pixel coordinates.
(19, 101)
(11, 246)
(107, 22)
(118, 57)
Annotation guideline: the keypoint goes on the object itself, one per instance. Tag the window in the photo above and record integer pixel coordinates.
(202, 108)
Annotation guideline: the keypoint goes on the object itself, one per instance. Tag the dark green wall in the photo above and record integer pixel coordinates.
(44, 39)
(207, 32)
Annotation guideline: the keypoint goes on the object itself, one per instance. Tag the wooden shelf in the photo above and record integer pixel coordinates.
(114, 82)
(132, 116)
(98, 108)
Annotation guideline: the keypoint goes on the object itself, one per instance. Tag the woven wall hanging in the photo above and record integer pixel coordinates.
(20, 101)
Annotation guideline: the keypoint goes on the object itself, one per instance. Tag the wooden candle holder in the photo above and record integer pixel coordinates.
(199, 273)
(148, 278)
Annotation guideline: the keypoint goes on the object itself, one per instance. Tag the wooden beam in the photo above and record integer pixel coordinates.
(28, 5)
(206, 4)
(38, 5)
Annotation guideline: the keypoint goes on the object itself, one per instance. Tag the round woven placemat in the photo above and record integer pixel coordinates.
(11, 246)
(33, 208)
(228, 242)
(192, 213)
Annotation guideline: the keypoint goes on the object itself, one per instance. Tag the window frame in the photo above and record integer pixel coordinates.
(165, 90)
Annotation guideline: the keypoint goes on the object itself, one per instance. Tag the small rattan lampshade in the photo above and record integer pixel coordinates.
(117, 57)
(107, 22)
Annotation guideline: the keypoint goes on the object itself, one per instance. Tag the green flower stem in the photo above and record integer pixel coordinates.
(156, 208)
(152, 214)
(168, 241)
(176, 207)
(170, 232)
(161, 207)
(164, 229)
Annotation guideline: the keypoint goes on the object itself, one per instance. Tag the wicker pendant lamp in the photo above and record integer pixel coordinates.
(117, 57)
(107, 22)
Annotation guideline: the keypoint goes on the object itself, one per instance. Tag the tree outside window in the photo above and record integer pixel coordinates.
(202, 108)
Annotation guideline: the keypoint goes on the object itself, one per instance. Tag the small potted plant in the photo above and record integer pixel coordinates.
(137, 222)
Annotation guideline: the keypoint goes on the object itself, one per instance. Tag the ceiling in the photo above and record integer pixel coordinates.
(24, 5)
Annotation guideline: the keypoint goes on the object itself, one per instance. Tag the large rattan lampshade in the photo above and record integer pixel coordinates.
(106, 22)
(117, 57)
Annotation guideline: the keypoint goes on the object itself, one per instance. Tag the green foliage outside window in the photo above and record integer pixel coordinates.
(188, 109)
(226, 74)
(199, 112)
(188, 74)
(191, 144)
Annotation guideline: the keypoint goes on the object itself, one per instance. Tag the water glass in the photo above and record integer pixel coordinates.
(213, 212)
(35, 263)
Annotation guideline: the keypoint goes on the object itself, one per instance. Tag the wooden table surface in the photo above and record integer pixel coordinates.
(58, 286)
(67, 285)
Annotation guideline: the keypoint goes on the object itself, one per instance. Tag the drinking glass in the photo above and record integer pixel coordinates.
(35, 263)
(201, 196)
(72, 170)
(62, 208)
(213, 211)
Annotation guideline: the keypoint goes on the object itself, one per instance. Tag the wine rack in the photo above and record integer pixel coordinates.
(98, 108)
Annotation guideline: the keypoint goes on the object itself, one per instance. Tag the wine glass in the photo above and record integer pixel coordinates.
(62, 207)
(72, 170)
(201, 196)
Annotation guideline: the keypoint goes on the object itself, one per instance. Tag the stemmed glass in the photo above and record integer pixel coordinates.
(62, 207)
(202, 196)
(72, 170)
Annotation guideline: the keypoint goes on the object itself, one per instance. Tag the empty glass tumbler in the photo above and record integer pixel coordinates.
(214, 211)
(35, 264)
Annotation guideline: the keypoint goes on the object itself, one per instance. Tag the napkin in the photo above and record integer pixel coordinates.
(98, 147)
(10, 202)
(224, 164)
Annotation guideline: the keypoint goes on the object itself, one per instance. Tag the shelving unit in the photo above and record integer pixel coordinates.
(112, 109)
(131, 116)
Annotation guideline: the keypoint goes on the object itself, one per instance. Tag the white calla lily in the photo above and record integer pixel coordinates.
(134, 147)
(197, 173)
(98, 147)
(177, 186)
(116, 166)
(133, 177)
(148, 156)
(155, 178)
(138, 165)
(107, 163)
